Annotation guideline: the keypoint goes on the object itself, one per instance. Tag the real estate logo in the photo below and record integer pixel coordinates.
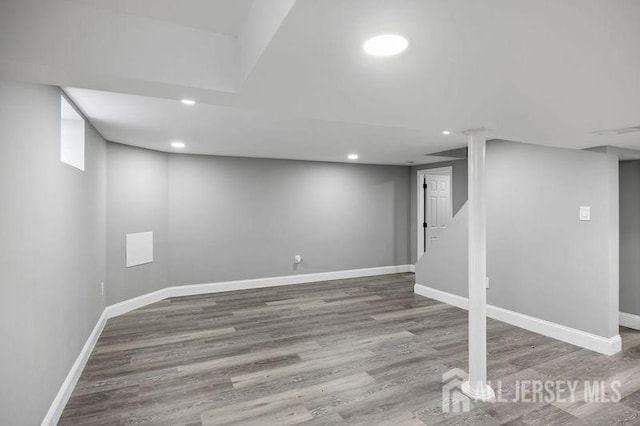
(453, 400)
(530, 391)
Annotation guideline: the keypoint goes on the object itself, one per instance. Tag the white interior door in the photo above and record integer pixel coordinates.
(437, 207)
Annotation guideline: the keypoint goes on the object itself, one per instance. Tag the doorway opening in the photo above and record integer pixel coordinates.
(629, 252)
(434, 205)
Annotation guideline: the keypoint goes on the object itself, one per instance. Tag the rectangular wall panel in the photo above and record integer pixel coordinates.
(139, 248)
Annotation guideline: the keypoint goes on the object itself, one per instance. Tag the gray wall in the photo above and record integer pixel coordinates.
(52, 245)
(542, 261)
(240, 218)
(234, 218)
(459, 185)
(445, 265)
(137, 201)
(62, 232)
(630, 237)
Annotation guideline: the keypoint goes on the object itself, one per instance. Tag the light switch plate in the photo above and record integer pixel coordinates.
(585, 212)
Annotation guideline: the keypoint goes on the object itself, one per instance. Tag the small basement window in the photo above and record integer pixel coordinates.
(71, 135)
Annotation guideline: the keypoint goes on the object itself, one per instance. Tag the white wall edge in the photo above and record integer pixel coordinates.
(583, 339)
(60, 401)
(629, 320)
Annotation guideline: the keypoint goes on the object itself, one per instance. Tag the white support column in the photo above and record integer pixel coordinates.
(477, 387)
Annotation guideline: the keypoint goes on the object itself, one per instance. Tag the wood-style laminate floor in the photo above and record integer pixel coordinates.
(356, 351)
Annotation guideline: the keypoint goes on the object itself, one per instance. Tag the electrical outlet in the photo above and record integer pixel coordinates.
(487, 283)
(297, 259)
(102, 289)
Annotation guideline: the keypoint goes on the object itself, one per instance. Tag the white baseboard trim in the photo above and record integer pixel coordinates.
(55, 410)
(441, 296)
(60, 401)
(136, 302)
(412, 268)
(583, 339)
(629, 320)
(603, 345)
(195, 289)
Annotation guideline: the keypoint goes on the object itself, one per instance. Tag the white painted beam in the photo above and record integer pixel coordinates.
(140, 54)
(260, 27)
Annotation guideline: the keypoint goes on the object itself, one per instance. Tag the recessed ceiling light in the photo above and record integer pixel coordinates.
(188, 102)
(386, 45)
(352, 156)
(446, 132)
(177, 144)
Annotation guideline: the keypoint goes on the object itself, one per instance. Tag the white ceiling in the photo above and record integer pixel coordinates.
(212, 129)
(218, 16)
(289, 79)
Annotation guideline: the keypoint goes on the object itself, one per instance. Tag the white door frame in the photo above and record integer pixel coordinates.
(446, 171)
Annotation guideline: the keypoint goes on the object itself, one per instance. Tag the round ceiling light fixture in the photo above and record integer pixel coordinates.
(177, 144)
(352, 156)
(386, 45)
(446, 132)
